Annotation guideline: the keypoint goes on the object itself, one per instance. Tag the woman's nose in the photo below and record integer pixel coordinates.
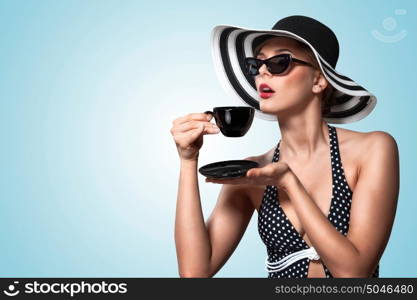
(263, 70)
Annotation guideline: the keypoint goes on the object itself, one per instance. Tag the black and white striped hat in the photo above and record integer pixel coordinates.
(230, 45)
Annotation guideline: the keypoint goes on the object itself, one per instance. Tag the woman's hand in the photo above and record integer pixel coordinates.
(278, 174)
(188, 132)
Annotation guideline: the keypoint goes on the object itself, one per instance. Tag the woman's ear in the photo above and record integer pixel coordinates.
(320, 83)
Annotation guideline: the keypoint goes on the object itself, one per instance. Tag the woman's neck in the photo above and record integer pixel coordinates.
(302, 137)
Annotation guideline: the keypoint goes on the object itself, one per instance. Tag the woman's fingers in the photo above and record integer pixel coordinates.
(241, 180)
(188, 131)
(194, 134)
(251, 172)
(186, 138)
(192, 116)
(184, 127)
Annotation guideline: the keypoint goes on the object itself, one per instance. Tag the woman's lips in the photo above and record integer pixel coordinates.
(265, 91)
(264, 95)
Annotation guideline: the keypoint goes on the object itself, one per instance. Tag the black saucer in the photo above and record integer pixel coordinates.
(227, 168)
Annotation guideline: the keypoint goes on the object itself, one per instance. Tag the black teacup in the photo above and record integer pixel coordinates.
(233, 121)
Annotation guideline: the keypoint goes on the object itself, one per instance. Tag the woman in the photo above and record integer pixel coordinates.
(326, 197)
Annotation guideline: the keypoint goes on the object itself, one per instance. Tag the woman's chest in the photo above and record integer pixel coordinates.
(319, 181)
(279, 226)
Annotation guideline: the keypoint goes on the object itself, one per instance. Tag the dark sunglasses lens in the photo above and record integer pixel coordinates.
(252, 66)
(278, 64)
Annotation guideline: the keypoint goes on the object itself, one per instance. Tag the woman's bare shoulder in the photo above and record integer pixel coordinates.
(357, 138)
(350, 141)
(364, 144)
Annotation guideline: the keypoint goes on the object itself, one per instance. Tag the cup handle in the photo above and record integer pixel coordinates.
(211, 113)
(214, 116)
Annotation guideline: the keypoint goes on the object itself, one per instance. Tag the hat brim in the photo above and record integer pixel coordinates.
(231, 44)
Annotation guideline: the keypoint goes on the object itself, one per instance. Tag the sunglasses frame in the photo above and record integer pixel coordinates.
(267, 62)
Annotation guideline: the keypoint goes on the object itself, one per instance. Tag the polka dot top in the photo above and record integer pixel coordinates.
(278, 233)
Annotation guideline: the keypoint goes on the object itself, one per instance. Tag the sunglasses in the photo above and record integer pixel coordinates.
(276, 64)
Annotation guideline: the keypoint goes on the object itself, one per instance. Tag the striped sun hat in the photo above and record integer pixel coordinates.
(230, 45)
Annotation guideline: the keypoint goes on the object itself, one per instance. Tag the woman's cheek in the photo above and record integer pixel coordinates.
(298, 85)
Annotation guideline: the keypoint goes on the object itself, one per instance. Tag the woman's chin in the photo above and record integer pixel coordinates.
(268, 106)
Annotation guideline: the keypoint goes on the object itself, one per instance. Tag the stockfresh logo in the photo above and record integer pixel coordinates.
(11, 289)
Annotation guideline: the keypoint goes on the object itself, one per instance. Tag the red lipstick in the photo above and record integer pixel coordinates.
(265, 91)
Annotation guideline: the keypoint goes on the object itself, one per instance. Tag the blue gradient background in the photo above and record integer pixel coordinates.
(89, 90)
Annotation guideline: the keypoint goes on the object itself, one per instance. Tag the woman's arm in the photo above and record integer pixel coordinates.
(202, 249)
(372, 213)
(191, 238)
